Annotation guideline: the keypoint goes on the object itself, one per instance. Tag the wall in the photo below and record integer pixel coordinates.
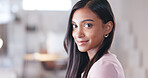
(132, 35)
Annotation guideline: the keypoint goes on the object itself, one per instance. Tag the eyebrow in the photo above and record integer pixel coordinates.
(88, 20)
(85, 20)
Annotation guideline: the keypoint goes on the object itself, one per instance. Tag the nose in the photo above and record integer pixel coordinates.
(80, 33)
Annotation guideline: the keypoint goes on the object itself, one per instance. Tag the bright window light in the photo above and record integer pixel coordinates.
(53, 5)
(4, 11)
(1, 43)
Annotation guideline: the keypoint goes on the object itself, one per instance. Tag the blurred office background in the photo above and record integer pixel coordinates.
(32, 33)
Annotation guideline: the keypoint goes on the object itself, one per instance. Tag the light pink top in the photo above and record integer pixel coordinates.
(107, 66)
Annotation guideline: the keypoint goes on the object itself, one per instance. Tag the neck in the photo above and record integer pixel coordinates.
(92, 53)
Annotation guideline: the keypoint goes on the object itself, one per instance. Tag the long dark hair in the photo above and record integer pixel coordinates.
(78, 62)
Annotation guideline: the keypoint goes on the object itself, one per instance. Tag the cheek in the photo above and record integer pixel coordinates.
(95, 35)
(73, 34)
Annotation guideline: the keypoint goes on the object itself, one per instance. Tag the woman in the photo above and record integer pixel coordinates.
(88, 39)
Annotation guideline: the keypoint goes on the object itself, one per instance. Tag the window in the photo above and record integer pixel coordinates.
(47, 5)
(4, 11)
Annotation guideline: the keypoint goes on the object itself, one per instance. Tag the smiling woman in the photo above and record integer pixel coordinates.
(89, 36)
(88, 25)
(47, 5)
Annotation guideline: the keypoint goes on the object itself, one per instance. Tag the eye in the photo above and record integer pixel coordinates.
(74, 26)
(88, 25)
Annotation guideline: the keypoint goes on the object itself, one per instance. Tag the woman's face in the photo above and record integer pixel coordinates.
(88, 30)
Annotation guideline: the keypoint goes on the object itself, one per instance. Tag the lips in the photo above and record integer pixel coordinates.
(80, 43)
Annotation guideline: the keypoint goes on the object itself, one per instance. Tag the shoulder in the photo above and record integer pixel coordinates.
(105, 67)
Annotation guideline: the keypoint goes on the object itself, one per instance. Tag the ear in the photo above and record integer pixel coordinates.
(108, 27)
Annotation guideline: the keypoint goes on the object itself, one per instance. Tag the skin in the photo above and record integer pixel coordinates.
(88, 31)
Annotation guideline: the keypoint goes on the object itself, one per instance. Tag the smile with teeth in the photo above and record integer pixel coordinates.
(82, 42)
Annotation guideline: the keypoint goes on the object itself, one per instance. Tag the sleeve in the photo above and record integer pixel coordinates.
(103, 70)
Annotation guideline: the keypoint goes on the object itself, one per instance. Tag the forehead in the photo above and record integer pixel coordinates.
(84, 13)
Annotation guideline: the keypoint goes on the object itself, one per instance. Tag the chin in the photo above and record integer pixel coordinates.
(82, 50)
